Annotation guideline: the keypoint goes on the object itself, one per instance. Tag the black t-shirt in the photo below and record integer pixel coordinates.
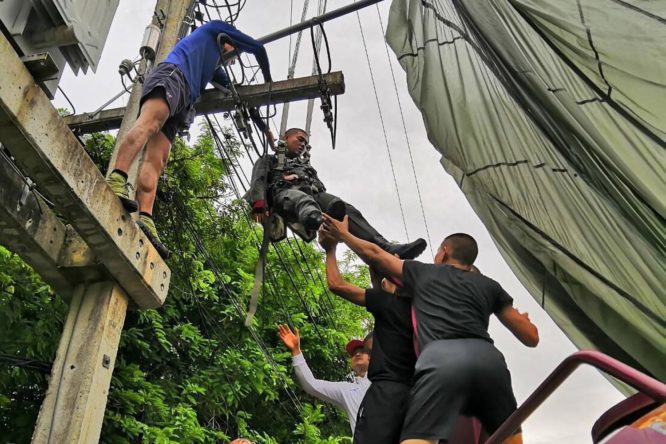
(393, 356)
(450, 303)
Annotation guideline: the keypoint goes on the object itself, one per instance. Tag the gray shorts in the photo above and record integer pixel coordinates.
(458, 377)
(167, 81)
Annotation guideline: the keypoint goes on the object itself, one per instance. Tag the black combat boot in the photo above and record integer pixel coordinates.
(337, 210)
(312, 221)
(407, 251)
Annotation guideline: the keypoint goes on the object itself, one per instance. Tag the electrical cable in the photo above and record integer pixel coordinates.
(281, 260)
(381, 119)
(404, 127)
(326, 309)
(184, 215)
(26, 363)
(69, 101)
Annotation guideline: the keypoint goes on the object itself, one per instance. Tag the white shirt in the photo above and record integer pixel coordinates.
(346, 395)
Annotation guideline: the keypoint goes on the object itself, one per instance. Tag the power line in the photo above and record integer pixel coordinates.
(199, 245)
(249, 133)
(26, 363)
(292, 65)
(381, 119)
(280, 258)
(404, 127)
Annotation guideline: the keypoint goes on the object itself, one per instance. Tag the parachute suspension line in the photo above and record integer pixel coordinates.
(291, 22)
(200, 246)
(292, 68)
(327, 310)
(308, 117)
(381, 119)
(222, 152)
(404, 127)
(287, 270)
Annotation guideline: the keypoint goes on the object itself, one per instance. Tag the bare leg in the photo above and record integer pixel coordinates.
(154, 161)
(154, 112)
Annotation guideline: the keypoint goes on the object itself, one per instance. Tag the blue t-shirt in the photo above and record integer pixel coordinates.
(198, 55)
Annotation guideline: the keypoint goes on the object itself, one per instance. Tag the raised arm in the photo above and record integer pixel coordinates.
(244, 43)
(369, 253)
(520, 325)
(324, 390)
(336, 283)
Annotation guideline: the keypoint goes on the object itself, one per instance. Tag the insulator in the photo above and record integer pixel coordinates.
(240, 122)
(125, 67)
(151, 38)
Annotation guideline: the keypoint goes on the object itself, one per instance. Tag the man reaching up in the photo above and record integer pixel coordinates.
(346, 395)
(459, 370)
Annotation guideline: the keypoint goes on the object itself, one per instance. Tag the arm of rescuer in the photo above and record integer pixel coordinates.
(520, 325)
(327, 391)
(243, 43)
(336, 283)
(385, 263)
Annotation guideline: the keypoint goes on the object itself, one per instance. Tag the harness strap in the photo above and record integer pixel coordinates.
(281, 155)
(415, 337)
(259, 273)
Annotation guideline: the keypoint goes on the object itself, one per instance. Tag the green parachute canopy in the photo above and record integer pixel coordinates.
(551, 116)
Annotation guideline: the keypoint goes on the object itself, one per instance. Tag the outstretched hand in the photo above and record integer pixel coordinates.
(334, 228)
(290, 339)
(326, 241)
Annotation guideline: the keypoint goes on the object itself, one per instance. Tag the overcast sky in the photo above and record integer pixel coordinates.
(358, 170)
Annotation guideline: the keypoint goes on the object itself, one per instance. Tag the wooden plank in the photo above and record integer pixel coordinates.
(88, 123)
(73, 410)
(213, 101)
(46, 149)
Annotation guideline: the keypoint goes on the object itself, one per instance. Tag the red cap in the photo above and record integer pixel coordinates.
(353, 345)
(259, 205)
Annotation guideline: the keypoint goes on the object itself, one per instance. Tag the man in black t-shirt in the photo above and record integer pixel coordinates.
(391, 371)
(458, 370)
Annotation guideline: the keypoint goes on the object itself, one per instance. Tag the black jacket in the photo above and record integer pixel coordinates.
(266, 179)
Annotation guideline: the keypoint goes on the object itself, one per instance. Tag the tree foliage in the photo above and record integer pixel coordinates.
(190, 371)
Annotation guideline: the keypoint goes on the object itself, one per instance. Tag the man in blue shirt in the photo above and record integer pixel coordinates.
(167, 107)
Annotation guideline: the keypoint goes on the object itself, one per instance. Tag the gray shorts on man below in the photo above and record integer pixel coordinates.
(458, 377)
(166, 81)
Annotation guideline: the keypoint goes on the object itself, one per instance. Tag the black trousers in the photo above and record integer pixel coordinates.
(382, 412)
(298, 204)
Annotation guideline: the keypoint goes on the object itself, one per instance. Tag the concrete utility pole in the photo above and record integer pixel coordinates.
(73, 409)
(100, 260)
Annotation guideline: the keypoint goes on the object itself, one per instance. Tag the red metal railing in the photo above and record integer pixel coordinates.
(640, 381)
